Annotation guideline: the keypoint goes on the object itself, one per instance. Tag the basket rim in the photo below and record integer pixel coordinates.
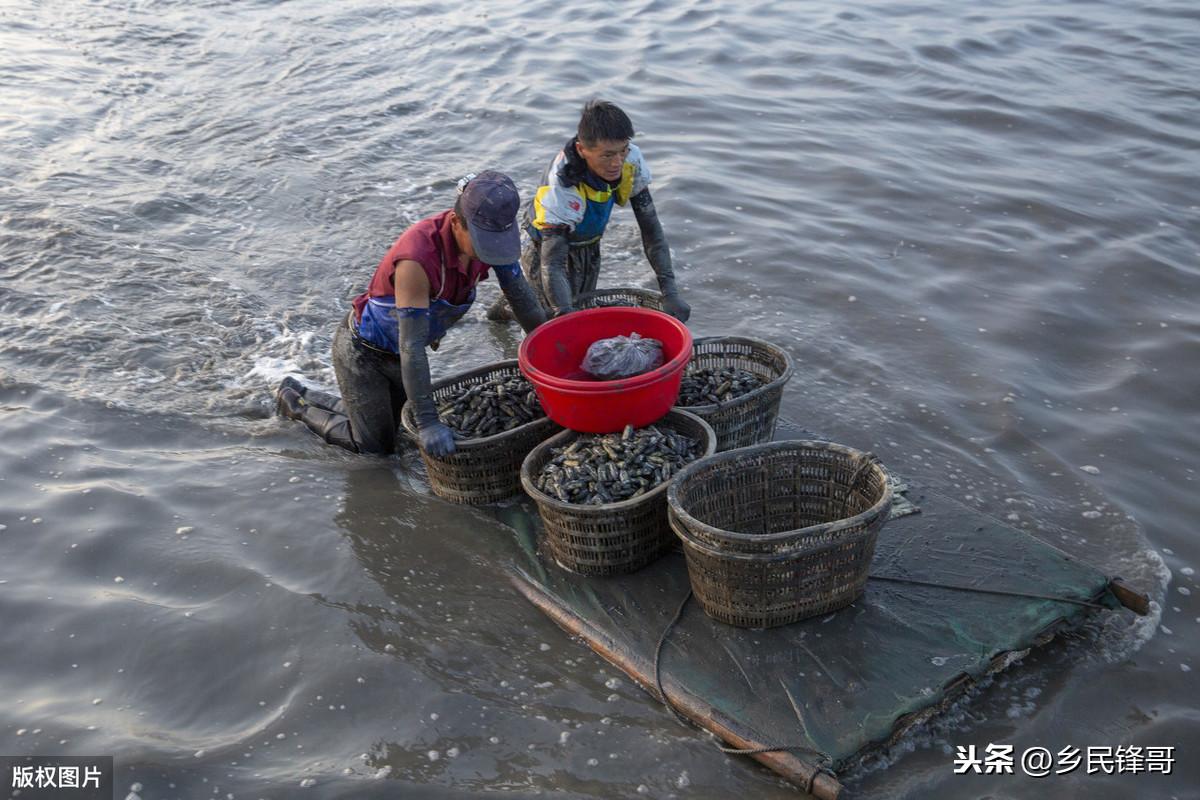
(677, 509)
(633, 290)
(604, 509)
(788, 368)
(540, 377)
(407, 413)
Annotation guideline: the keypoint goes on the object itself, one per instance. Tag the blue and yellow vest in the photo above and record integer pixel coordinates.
(572, 196)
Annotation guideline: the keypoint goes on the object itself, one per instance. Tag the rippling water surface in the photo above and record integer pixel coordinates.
(973, 226)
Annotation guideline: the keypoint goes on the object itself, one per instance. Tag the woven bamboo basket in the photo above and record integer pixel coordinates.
(612, 538)
(779, 532)
(619, 296)
(487, 469)
(749, 419)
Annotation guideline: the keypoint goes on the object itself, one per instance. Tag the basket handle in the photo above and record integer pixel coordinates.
(869, 460)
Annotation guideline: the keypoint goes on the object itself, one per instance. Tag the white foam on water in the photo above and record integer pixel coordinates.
(284, 353)
(269, 370)
(1124, 634)
(142, 376)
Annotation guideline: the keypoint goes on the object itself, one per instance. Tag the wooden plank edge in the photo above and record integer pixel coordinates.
(1131, 598)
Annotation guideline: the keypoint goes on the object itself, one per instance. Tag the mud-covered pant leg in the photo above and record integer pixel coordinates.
(372, 395)
(325, 400)
(325, 415)
(583, 271)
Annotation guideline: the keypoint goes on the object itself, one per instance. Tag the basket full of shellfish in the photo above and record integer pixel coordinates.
(494, 414)
(735, 384)
(602, 497)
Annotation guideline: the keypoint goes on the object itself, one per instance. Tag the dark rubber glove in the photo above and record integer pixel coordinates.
(436, 438)
(674, 305)
(555, 283)
(658, 253)
(521, 299)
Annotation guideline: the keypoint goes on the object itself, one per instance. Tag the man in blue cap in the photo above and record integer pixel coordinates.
(424, 284)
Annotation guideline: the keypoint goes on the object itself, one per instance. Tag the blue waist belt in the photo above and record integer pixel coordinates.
(380, 330)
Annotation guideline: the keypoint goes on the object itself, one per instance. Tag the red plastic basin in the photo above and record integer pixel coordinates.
(551, 356)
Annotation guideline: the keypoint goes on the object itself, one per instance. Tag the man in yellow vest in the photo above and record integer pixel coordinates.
(598, 168)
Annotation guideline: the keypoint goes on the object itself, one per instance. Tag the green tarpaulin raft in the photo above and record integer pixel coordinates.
(816, 697)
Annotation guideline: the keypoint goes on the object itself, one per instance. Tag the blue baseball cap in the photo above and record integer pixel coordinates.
(489, 202)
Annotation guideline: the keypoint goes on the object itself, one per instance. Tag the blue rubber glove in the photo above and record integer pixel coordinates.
(437, 439)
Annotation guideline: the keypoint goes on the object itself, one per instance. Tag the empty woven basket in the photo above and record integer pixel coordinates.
(779, 532)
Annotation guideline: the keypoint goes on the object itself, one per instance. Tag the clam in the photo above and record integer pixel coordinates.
(706, 386)
(615, 466)
(492, 406)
